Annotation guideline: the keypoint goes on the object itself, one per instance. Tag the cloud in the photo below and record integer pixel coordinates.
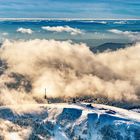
(11, 131)
(122, 32)
(24, 30)
(120, 22)
(72, 31)
(130, 34)
(66, 69)
(101, 22)
(5, 34)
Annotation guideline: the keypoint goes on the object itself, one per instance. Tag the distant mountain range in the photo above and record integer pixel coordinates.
(110, 46)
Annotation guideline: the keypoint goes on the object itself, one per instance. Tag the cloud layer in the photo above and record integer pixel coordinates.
(72, 31)
(66, 69)
(11, 131)
(130, 34)
(24, 30)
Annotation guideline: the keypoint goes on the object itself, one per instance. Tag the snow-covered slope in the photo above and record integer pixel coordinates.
(68, 122)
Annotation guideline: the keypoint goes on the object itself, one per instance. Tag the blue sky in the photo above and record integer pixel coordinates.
(69, 9)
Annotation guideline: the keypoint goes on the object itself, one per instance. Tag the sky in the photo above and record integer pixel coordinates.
(70, 9)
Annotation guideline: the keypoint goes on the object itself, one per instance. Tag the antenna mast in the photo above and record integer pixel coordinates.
(45, 94)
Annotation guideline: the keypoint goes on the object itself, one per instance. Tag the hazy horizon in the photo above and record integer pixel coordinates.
(36, 18)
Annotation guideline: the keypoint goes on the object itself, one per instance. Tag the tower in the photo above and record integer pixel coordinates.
(45, 97)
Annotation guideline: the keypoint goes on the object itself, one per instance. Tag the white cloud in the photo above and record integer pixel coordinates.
(122, 32)
(17, 133)
(120, 22)
(4, 33)
(72, 31)
(66, 69)
(130, 34)
(24, 30)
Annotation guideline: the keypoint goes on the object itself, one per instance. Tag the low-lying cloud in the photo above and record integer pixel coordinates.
(11, 131)
(120, 22)
(130, 34)
(72, 31)
(5, 34)
(25, 30)
(66, 69)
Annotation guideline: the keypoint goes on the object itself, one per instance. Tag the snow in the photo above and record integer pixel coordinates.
(68, 121)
